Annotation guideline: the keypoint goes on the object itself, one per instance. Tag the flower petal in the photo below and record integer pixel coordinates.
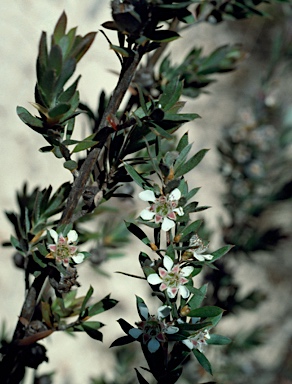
(54, 235)
(52, 247)
(78, 258)
(184, 291)
(167, 224)
(198, 256)
(175, 195)
(147, 195)
(171, 329)
(188, 343)
(179, 211)
(146, 214)
(135, 332)
(171, 292)
(168, 262)
(143, 311)
(186, 271)
(163, 311)
(208, 257)
(153, 345)
(154, 279)
(72, 236)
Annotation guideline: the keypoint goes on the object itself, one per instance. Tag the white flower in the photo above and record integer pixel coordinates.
(64, 248)
(197, 248)
(172, 278)
(198, 341)
(164, 208)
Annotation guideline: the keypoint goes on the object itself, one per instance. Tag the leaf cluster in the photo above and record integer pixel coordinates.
(57, 106)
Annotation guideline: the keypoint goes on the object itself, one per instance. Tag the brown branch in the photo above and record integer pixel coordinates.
(88, 165)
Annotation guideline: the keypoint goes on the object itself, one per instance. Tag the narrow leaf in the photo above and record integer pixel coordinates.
(191, 163)
(202, 359)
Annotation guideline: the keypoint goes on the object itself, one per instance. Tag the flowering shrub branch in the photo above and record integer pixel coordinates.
(123, 146)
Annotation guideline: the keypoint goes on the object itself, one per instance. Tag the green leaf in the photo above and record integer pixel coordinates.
(28, 119)
(125, 52)
(209, 311)
(82, 46)
(163, 36)
(192, 228)
(60, 28)
(83, 145)
(137, 177)
(59, 110)
(85, 301)
(16, 243)
(43, 249)
(71, 165)
(202, 359)
(160, 131)
(171, 93)
(182, 156)
(135, 230)
(183, 142)
(91, 328)
(220, 252)
(198, 297)
(47, 148)
(122, 341)
(55, 59)
(102, 306)
(218, 340)
(140, 378)
(191, 163)
(38, 260)
(181, 116)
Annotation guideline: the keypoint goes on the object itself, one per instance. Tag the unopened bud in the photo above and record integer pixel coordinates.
(185, 311)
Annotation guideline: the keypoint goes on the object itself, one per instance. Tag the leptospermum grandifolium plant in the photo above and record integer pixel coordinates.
(124, 145)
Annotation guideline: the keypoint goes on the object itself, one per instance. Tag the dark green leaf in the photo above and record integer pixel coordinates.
(59, 110)
(28, 119)
(71, 165)
(198, 297)
(220, 252)
(102, 306)
(183, 142)
(91, 328)
(171, 93)
(83, 145)
(137, 177)
(85, 301)
(60, 28)
(218, 340)
(38, 260)
(140, 378)
(202, 359)
(133, 228)
(122, 341)
(163, 36)
(209, 311)
(191, 163)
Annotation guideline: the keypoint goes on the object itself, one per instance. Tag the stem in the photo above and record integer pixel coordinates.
(88, 165)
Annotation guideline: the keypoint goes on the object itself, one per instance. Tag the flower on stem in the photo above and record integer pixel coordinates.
(197, 248)
(171, 278)
(154, 328)
(64, 248)
(164, 208)
(197, 341)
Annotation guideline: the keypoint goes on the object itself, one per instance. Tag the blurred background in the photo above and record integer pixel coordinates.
(246, 178)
